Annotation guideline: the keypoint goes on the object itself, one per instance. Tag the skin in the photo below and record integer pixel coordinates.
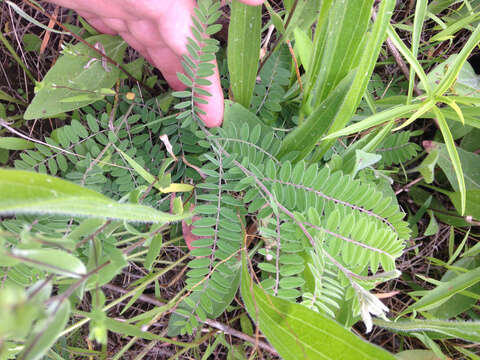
(157, 29)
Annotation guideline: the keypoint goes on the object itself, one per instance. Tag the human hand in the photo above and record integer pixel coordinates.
(157, 29)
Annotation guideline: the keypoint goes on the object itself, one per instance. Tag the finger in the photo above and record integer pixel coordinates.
(102, 8)
(214, 109)
(175, 29)
(169, 64)
(252, 2)
(97, 23)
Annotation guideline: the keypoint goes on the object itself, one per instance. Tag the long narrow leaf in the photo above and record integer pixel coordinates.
(420, 14)
(375, 120)
(452, 152)
(364, 72)
(469, 331)
(244, 37)
(442, 292)
(25, 192)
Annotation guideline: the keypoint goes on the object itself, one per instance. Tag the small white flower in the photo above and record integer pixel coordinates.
(369, 304)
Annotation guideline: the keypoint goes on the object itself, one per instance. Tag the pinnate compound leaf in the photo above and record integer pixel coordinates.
(77, 73)
(297, 332)
(27, 192)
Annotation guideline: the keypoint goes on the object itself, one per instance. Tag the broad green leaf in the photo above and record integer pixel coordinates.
(445, 290)
(244, 36)
(276, 19)
(437, 6)
(13, 143)
(363, 160)
(4, 156)
(17, 312)
(135, 69)
(467, 82)
(46, 332)
(51, 260)
(470, 165)
(153, 251)
(472, 202)
(237, 114)
(297, 332)
(466, 330)
(76, 73)
(432, 227)
(27, 192)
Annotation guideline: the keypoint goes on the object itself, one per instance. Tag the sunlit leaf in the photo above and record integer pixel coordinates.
(297, 332)
(27, 192)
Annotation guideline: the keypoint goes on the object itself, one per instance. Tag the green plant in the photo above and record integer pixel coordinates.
(328, 227)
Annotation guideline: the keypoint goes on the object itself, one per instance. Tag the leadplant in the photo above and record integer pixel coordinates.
(304, 225)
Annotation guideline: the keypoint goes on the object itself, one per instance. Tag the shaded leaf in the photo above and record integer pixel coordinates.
(76, 73)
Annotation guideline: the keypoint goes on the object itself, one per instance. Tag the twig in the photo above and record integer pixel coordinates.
(398, 58)
(409, 185)
(215, 324)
